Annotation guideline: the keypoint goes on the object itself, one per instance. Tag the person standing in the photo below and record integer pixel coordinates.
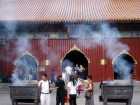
(89, 92)
(76, 69)
(80, 85)
(72, 90)
(82, 72)
(60, 94)
(45, 90)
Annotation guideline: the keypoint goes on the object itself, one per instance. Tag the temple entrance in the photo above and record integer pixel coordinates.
(75, 63)
(25, 68)
(124, 66)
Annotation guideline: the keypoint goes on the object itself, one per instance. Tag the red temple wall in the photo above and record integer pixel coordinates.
(57, 48)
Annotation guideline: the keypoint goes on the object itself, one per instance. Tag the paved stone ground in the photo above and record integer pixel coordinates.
(5, 98)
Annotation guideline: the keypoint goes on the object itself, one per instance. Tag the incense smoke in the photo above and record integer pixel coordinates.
(52, 54)
(123, 67)
(25, 64)
(106, 36)
(44, 44)
(23, 44)
(67, 69)
(26, 69)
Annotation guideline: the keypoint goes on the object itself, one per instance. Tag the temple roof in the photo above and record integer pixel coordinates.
(69, 10)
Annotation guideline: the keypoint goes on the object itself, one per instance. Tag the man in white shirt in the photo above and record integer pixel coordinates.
(45, 90)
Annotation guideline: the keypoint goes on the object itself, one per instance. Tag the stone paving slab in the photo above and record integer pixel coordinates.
(5, 98)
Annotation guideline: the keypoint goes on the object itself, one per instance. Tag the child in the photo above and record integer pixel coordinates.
(45, 90)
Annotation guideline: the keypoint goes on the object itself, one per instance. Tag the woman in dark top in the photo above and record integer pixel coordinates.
(60, 94)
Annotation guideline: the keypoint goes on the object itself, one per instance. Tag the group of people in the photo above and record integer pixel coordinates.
(66, 92)
(80, 71)
(77, 70)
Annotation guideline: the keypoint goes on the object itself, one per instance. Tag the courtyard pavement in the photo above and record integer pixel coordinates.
(5, 98)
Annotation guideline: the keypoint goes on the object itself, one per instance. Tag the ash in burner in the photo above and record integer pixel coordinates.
(123, 67)
(25, 69)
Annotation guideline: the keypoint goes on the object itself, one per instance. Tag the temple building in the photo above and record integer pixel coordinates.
(50, 35)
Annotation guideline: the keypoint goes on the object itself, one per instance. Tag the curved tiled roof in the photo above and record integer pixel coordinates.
(69, 10)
